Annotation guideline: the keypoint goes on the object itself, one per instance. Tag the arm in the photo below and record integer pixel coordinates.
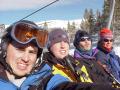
(58, 82)
(83, 86)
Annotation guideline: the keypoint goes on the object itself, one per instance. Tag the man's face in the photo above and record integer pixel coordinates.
(85, 43)
(60, 49)
(21, 58)
(107, 43)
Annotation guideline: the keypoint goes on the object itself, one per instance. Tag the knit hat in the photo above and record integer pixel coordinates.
(57, 35)
(80, 34)
(105, 33)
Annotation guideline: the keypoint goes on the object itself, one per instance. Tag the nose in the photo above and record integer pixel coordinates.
(86, 40)
(110, 41)
(25, 57)
(62, 43)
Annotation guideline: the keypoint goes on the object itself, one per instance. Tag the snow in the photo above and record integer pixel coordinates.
(60, 23)
(116, 49)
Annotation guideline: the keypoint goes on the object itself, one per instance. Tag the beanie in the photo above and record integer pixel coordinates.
(105, 33)
(57, 35)
(80, 34)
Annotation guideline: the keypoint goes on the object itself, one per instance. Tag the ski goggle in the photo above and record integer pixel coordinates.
(24, 33)
(108, 40)
(85, 38)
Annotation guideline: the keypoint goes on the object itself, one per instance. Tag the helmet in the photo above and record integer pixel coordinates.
(23, 32)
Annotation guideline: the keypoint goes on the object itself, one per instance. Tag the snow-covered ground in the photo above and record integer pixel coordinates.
(60, 23)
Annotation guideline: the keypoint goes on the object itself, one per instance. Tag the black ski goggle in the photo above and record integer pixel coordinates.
(82, 39)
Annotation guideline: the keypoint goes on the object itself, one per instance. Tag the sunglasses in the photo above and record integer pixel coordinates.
(84, 39)
(25, 33)
(108, 40)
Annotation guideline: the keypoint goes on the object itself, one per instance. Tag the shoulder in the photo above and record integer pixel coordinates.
(71, 57)
(100, 54)
(95, 51)
(114, 56)
(6, 85)
(55, 81)
(43, 68)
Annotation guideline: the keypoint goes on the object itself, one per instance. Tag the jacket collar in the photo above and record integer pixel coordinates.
(3, 74)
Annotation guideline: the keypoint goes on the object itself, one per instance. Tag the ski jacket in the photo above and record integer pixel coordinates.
(35, 81)
(110, 61)
(68, 67)
(93, 69)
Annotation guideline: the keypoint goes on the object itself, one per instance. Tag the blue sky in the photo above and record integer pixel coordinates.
(14, 10)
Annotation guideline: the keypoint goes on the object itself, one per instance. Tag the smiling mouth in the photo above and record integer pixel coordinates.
(63, 52)
(22, 66)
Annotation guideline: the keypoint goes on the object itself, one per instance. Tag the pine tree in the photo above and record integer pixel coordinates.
(91, 21)
(84, 23)
(88, 23)
(98, 21)
(71, 30)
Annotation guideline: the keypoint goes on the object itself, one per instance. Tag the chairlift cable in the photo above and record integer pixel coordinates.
(40, 9)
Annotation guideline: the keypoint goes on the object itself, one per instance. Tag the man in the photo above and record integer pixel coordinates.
(83, 45)
(20, 64)
(86, 57)
(106, 56)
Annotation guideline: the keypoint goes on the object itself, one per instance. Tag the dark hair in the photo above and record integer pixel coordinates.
(79, 34)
